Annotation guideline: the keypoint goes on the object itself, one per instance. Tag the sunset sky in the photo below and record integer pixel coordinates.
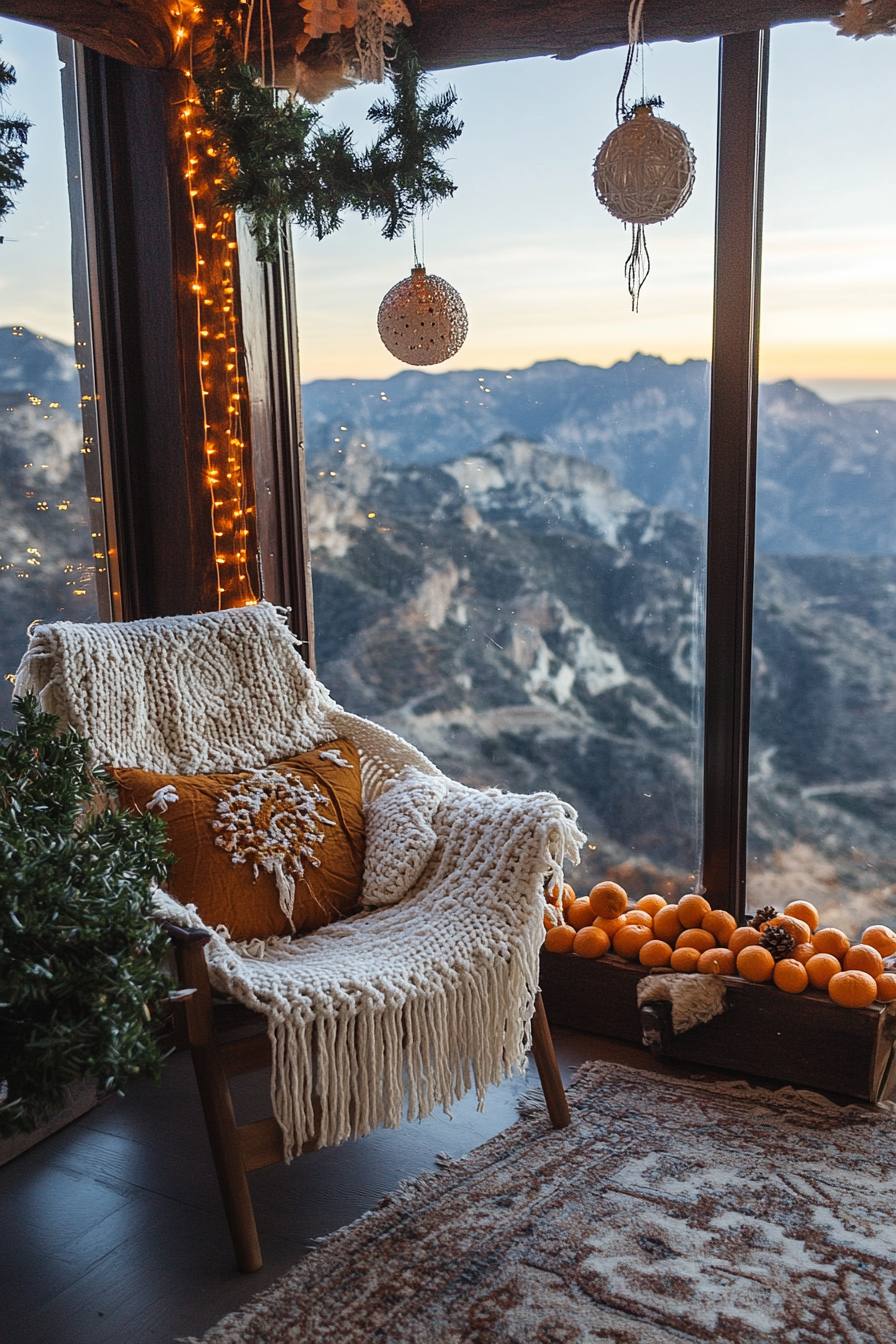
(537, 260)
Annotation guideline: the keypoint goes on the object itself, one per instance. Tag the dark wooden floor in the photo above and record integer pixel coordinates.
(112, 1229)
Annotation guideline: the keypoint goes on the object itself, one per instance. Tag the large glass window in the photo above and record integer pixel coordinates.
(823, 782)
(508, 551)
(48, 556)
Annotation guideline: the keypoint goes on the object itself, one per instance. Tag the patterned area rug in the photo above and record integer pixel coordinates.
(669, 1211)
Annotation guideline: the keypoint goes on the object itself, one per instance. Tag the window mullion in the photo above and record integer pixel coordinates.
(743, 82)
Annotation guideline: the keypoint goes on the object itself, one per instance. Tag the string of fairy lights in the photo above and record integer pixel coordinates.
(225, 411)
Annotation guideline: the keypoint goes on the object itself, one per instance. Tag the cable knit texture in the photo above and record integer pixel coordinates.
(423, 997)
(181, 694)
(400, 836)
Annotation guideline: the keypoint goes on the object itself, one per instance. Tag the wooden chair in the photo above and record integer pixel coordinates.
(138, 692)
(216, 1032)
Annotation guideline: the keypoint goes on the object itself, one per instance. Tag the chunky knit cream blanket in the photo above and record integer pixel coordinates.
(431, 989)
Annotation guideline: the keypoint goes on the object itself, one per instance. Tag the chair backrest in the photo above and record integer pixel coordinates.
(225, 690)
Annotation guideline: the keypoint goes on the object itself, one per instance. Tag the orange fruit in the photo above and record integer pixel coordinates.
(790, 975)
(630, 939)
(608, 899)
(742, 938)
(720, 924)
(666, 923)
(832, 941)
(610, 926)
(864, 958)
(698, 938)
(797, 928)
(685, 959)
(650, 903)
(717, 961)
(803, 952)
(590, 942)
(655, 953)
(756, 964)
(821, 968)
(639, 917)
(552, 896)
(692, 910)
(552, 917)
(886, 987)
(580, 913)
(853, 989)
(805, 911)
(560, 938)
(882, 938)
(567, 896)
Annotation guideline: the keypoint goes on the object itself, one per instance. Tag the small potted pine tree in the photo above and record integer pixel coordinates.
(81, 976)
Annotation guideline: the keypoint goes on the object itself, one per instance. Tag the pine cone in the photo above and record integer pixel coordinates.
(763, 916)
(778, 941)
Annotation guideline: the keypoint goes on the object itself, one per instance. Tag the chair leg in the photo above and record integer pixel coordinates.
(548, 1070)
(217, 1105)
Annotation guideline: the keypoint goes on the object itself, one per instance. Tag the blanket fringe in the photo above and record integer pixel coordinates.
(354, 1033)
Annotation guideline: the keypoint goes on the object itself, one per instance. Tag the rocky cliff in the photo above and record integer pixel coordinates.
(530, 624)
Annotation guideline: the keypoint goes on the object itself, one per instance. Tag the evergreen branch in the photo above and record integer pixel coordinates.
(80, 952)
(402, 165)
(13, 138)
(283, 165)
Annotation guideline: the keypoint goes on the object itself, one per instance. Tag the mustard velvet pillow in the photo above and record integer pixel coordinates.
(266, 852)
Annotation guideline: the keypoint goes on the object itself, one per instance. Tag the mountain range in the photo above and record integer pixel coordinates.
(41, 366)
(826, 474)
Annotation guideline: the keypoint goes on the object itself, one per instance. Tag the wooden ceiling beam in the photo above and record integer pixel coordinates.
(140, 32)
(450, 33)
(447, 33)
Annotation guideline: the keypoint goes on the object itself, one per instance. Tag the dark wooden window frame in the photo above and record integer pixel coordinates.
(122, 253)
(270, 339)
(743, 89)
(141, 408)
(153, 500)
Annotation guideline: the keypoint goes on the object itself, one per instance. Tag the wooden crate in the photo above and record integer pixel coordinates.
(804, 1039)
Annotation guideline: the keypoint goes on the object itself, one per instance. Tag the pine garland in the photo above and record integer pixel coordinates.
(284, 165)
(13, 138)
(79, 951)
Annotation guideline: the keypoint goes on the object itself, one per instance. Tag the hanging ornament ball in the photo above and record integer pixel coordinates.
(644, 170)
(422, 320)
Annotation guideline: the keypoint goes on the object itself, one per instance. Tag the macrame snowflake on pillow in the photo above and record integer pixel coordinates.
(273, 821)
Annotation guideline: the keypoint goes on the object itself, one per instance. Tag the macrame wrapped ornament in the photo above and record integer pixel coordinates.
(644, 170)
(643, 174)
(422, 320)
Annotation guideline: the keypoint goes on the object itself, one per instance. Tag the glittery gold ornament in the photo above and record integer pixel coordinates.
(422, 320)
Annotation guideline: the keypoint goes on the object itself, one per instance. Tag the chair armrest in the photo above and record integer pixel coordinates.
(185, 937)
(193, 1009)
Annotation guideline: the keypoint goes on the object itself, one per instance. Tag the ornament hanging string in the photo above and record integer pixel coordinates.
(637, 263)
(419, 222)
(635, 53)
(644, 170)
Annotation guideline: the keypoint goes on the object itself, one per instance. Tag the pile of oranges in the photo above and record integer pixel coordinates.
(692, 937)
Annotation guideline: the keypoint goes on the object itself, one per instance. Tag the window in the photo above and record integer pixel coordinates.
(509, 551)
(823, 785)
(51, 546)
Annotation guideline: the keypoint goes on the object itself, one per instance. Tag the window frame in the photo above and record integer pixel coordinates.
(734, 391)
